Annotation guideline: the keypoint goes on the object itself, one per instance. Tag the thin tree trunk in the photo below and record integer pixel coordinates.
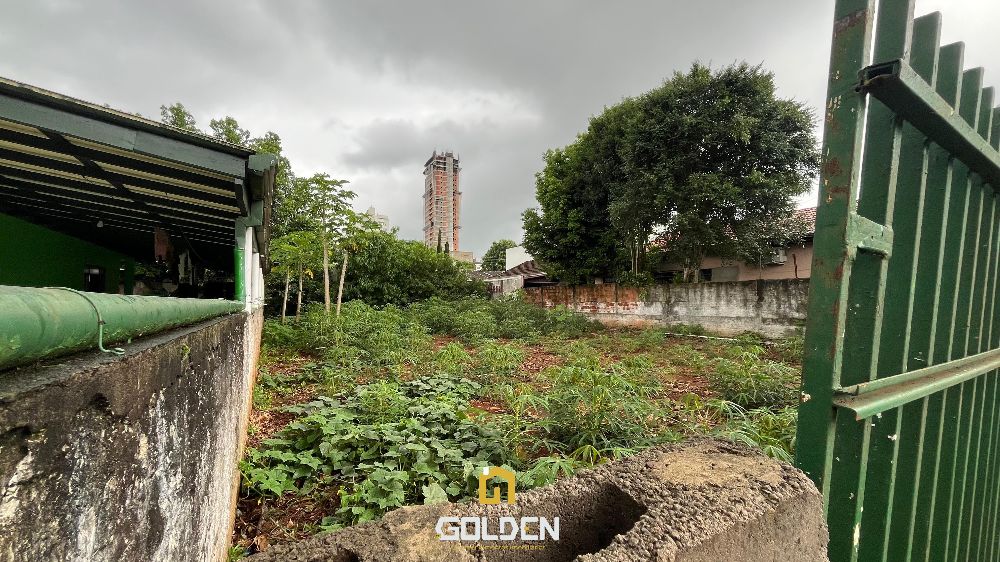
(284, 301)
(340, 291)
(326, 275)
(298, 304)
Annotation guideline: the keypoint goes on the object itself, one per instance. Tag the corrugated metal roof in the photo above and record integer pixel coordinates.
(111, 178)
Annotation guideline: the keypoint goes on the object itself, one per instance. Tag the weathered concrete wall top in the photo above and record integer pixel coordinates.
(773, 308)
(107, 458)
(696, 502)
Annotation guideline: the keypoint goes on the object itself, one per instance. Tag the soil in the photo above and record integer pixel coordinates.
(538, 359)
(266, 423)
(262, 522)
(679, 385)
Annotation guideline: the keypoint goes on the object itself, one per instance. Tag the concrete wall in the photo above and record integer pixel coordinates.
(773, 308)
(702, 501)
(130, 458)
(505, 285)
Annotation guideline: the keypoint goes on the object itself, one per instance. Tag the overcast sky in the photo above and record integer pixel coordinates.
(366, 90)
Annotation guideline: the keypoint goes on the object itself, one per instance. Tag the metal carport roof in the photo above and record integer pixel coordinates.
(110, 177)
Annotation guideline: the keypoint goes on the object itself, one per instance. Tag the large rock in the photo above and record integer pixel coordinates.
(699, 501)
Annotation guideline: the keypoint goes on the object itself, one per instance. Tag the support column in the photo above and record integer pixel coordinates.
(239, 267)
(243, 274)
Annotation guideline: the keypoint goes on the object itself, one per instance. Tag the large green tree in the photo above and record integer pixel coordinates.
(386, 270)
(571, 232)
(495, 259)
(729, 154)
(706, 162)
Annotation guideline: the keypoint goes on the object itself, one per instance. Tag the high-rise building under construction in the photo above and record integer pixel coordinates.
(442, 201)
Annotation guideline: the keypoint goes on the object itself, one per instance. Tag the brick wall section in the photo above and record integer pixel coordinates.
(774, 307)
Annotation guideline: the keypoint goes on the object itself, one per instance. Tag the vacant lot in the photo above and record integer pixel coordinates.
(383, 408)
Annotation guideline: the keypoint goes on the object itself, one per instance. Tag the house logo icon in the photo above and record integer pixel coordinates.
(495, 471)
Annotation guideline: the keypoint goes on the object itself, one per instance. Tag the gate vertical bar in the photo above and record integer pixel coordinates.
(899, 421)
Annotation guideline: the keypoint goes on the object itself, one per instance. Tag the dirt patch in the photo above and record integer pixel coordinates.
(488, 405)
(266, 423)
(264, 522)
(679, 385)
(537, 359)
(441, 341)
(287, 365)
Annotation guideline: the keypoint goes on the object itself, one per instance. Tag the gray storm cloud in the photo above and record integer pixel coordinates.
(366, 90)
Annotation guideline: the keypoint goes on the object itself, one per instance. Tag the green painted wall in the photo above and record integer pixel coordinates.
(34, 256)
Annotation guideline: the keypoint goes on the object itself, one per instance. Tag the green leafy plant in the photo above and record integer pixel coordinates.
(686, 356)
(386, 444)
(475, 319)
(790, 349)
(687, 329)
(452, 359)
(604, 409)
(753, 382)
(772, 431)
(497, 361)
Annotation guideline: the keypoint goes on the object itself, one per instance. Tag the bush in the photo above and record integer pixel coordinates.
(451, 359)
(773, 432)
(753, 382)
(474, 319)
(384, 337)
(474, 326)
(517, 319)
(603, 409)
(569, 323)
(790, 349)
(496, 360)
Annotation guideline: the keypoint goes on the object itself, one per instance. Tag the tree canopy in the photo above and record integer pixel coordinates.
(706, 163)
(495, 259)
(176, 115)
(313, 222)
(386, 270)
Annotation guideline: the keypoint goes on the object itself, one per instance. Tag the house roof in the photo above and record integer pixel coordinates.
(484, 275)
(528, 270)
(111, 178)
(809, 215)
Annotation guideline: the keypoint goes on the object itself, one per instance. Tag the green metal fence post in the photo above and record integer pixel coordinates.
(899, 424)
(240, 261)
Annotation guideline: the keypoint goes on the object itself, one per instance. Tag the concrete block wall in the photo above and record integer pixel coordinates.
(774, 308)
(700, 501)
(131, 458)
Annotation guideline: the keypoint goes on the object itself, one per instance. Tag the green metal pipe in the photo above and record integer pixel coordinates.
(40, 323)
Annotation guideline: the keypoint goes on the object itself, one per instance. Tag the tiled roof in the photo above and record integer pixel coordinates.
(809, 214)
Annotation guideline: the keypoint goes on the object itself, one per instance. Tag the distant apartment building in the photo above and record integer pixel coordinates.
(442, 201)
(381, 220)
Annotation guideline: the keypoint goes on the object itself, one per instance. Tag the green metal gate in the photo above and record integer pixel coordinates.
(899, 424)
